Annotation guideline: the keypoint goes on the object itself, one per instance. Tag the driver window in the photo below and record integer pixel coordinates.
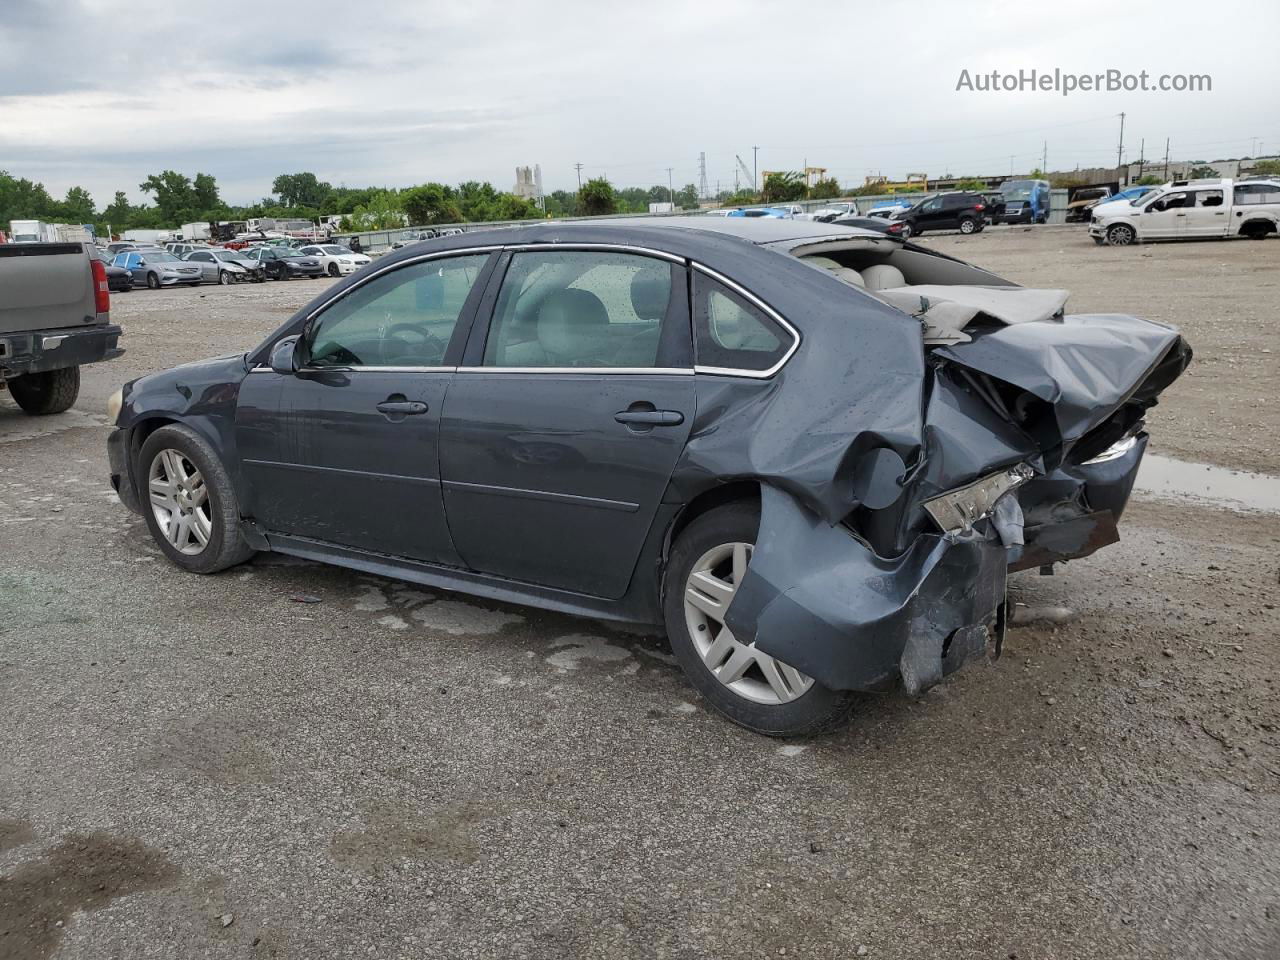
(580, 309)
(404, 318)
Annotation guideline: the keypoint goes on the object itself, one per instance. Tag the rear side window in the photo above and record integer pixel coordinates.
(1208, 198)
(730, 333)
(1250, 193)
(577, 308)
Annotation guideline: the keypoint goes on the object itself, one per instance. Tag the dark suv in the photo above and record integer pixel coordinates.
(965, 212)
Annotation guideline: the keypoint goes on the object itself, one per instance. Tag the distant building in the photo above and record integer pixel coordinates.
(528, 182)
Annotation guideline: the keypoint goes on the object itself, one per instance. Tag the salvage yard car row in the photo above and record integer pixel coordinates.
(193, 264)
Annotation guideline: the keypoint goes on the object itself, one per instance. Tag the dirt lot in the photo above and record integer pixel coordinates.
(203, 767)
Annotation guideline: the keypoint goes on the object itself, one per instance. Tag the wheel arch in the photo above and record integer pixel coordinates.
(718, 495)
(1260, 224)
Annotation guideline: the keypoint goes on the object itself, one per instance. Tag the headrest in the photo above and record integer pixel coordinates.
(571, 323)
(882, 276)
(651, 291)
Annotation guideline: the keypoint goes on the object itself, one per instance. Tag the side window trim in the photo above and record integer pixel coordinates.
(771, 313)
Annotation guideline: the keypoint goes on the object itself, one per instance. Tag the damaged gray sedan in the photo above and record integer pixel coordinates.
(812, 453)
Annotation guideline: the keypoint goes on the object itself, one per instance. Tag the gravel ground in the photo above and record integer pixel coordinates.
(206, 767)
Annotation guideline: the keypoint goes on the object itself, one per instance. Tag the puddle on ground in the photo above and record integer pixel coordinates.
(1167, 479)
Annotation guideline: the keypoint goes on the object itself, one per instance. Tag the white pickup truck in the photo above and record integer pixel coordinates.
(1192, 209)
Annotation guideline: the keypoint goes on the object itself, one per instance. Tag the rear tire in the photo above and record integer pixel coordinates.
(968, 226)
(813, 711)
(224, 546)
(41, 394)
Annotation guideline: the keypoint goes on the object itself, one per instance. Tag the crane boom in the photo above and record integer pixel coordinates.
(745, 172)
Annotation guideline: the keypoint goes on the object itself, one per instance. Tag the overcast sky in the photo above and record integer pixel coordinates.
(365, 92)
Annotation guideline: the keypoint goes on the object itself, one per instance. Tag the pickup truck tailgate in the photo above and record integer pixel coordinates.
(45, 286)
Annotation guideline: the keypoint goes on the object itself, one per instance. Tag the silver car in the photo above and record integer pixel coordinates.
(156, 268)
(213, 269)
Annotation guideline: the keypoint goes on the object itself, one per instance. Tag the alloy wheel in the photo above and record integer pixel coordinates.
(180, 501)
(748, 672)
(1120, 236)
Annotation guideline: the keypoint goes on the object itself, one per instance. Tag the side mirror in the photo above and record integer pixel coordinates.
(142, 262)
(284, 357)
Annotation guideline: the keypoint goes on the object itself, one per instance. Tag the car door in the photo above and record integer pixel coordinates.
(1207, 217)
(562, 427)
(949, 216)
(345, 450)
(207, 264)
(929, 214)
(1165, 218)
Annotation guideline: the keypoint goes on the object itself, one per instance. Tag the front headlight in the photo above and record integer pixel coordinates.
(1114, 452)
(958, 510)
(114, 403)
(345, 260)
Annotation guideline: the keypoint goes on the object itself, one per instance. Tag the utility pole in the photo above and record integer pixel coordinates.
(1166, 159)
(578, 167)
(755, 168)
(1142, 156)
(702, 176)
(1120, 151)
(671, 192)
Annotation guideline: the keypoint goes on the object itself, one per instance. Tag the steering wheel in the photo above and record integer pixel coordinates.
(430, 349)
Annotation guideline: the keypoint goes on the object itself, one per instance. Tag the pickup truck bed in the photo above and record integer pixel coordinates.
(54, 317)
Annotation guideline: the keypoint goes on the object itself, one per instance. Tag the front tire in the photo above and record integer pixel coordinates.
(188, 501)
(333, 269)
(747, 685)
(153, 282)
(41, 394)
(1120, 235)
(224, 278)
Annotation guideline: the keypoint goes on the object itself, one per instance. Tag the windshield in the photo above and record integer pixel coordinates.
(158, 257)
(335, 250)
(1018, 189)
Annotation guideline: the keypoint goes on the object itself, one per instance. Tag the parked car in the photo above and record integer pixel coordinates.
(283, 263)
(894, 228)
(55, 316)
(1084, 199)
(254, 268)
(1025, 201)
(180, 249)
(891, 208)
(216, 270)
(777, 213)
(639, 421)
(1192, 209)
(157, 268)
(833, 211)
(119, 279)
(958, 210)
(336, 259)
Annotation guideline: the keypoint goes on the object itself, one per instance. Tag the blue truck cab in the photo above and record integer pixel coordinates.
(1025, 201)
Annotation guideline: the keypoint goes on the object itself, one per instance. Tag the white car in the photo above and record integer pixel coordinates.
(1192, 209)
(336, 259)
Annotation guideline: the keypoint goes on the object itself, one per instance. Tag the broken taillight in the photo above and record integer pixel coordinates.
(957, 511)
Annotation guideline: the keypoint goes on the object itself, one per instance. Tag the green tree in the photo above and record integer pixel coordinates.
(972, 184)
(302, 190)
(119, 214)
(561, 203)
(22, 199)
(1149, 180)
(1265, 168)
(382, 212)
(175, 196)
(742, 198)
(431, 203)
(687, 197)
(77, 206)
(1202, 172)
(205, 193)
(597, 197)
(825, 189)
(783, 187)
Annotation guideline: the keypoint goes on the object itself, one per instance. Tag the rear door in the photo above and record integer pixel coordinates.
(345, 451)
(1208, 215)
(562, 427)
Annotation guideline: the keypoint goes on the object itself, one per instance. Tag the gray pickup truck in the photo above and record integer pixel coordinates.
(54, 317)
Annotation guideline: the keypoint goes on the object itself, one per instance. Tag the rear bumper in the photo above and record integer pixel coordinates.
(819, 599)
(1073, 512)
(38, 351)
